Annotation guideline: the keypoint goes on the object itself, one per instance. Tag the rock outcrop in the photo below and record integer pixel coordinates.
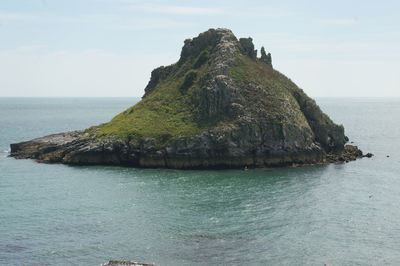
(219, 106)
(266, 58)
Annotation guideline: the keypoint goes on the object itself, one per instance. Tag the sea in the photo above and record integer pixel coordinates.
(338, 214)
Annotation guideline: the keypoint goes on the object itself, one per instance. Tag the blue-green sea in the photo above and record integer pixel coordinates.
(346, 214)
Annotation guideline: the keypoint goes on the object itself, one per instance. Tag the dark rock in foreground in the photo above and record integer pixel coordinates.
(219, 106)
(125, 263)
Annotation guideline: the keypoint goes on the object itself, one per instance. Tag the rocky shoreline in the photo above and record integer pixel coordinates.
(72, 148)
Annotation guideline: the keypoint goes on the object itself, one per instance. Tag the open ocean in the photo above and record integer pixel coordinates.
(346, 214)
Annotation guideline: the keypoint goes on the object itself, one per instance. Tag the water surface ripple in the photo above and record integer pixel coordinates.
(344, 214)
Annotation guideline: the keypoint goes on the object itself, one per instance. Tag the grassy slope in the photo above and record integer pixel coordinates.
(167, 112)
(272, 99)
(288, 106)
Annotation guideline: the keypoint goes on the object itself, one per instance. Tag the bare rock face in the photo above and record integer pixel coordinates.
(247, 47)
(219, 106)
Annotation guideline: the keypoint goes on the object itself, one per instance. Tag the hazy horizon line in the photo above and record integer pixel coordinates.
(344, 97)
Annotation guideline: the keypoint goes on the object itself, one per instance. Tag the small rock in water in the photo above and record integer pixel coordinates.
(387, 156)
(370, 196)
(125, 263)
(368, 155)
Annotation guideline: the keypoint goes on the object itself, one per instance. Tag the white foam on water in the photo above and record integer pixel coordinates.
(5, 153)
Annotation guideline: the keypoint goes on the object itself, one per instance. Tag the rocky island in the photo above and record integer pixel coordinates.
(219, 106)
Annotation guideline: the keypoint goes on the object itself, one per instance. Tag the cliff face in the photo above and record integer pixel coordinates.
(218, 106)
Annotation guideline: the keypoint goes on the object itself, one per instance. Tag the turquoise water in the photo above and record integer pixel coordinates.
(346, 214)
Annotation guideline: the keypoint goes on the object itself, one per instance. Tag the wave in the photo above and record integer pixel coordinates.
(5, 153)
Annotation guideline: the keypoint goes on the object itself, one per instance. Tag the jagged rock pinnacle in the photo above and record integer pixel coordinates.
(266, 58)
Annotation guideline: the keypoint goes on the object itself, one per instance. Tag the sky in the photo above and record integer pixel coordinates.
(107, 48)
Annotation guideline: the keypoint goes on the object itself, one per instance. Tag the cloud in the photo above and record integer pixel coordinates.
(29, 48)
(254, 11)
(177, 10)
(150, 25)
(339, 21)
(15, 16)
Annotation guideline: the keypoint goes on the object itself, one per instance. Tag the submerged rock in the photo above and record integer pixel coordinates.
(219, 106)
(369, 155)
